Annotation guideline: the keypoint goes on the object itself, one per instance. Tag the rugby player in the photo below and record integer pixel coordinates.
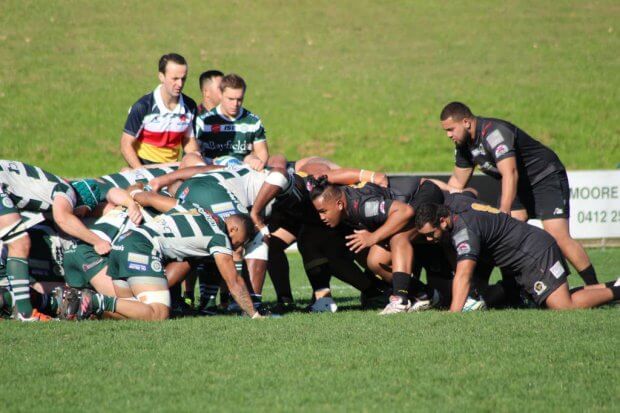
(136, 263)
(230, 129)
(161, 123)
(528, 253)
(28, 189)
(382, 220)
(209, 83)
(534, 183)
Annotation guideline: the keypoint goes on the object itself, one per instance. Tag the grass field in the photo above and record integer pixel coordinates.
(359, 81)
(525, 360)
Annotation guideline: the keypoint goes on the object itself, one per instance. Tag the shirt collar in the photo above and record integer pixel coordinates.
(218, 110)
(163, 109)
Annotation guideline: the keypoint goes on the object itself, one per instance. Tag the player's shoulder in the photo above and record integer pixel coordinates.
(189, 103)
(209, 115)
(250, 116)
(146, 102)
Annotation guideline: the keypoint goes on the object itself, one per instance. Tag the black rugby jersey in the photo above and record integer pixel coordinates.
(480, 230)
(497, 139)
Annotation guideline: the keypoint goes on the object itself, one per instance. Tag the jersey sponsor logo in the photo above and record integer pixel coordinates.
(118, 247)
(382, 207)
(461, 236)
(86, 267)
(558, 211)
(156, 264)
(123, 236)
(137, 267)
(371, 209)
(138, 258)
(539, 287)
(215, 128)
(495, 138)
(501, 150)
(557, 269)
(463, 248)
(222, 207)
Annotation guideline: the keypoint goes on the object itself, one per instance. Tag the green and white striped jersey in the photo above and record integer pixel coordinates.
(219, 136)
(182, 233)
(242, 181)
(31, 188)
(144, 175)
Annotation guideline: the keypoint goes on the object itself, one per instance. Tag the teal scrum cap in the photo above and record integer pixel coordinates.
(88, 192)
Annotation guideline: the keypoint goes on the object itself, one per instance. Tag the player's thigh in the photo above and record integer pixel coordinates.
(560, 298)
(102, 283)
(152, 291)
(284, 235)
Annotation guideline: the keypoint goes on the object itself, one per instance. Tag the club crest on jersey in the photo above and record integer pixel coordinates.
(7, 202)
(156, 265)
(463, 248)
(501, 150)
(184, 194)
(540, 287)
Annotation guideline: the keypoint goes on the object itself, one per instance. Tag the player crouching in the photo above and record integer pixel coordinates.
(527, 252)
(136, 263)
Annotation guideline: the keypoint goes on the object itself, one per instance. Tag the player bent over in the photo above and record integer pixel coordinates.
(137, 260)
(29, 189)
(382, 220)
(534, 183)
(529, 253)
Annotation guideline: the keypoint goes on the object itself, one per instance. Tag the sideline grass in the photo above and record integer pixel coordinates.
(361, 82)
(525, 360)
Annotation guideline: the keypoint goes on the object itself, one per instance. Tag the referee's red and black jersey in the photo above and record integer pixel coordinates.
(159, 130)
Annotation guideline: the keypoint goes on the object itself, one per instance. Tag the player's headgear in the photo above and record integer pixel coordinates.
(88, 192)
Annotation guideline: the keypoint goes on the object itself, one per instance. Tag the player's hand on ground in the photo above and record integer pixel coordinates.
(102, 247)
(360, 240)
(135, 213)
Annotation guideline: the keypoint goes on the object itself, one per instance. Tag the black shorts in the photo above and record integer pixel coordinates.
(545, 274)
(547, 199)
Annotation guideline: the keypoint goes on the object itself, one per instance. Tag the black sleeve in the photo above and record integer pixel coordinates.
(466, 243)
(500, 143)
(136, 115)
(462, 157)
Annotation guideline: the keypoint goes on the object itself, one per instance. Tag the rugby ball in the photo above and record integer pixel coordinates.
(324, 305)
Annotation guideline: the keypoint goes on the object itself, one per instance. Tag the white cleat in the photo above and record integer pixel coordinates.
(474, 305)
(395, 306)
(324, 305)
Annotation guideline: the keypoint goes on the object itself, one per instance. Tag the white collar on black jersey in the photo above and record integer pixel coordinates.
(218, 110)
(162, 107)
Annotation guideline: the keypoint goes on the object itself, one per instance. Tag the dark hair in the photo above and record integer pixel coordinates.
(456, 111)
(170, 57)
(208, 76)
(246, 223)
(430, 214)
(232, 81)
(321, 187)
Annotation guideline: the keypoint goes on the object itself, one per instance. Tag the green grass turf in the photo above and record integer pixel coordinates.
(518, 360)
(361, 82)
